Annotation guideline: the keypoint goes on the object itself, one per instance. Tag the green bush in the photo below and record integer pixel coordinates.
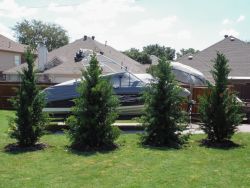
(27, 127)
(220, 111)
(94, 112)
(163, 120)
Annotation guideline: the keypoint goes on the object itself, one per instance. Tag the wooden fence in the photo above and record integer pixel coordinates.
(243, 91)
(8, 90)
(197, 92)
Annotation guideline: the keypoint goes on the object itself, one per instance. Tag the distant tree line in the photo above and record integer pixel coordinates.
(167, 53)
(186, 51)
(138, 55)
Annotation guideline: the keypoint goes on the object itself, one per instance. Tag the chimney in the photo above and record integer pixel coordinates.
(85, 37)
(42, 56)
(93, 37)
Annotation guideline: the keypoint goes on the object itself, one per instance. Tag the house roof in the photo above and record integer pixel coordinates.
(235, 50)
(9, 45)
(67, 53)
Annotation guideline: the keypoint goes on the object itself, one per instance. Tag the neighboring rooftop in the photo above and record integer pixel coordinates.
(66, 63)
(9, 45)
(235, 50)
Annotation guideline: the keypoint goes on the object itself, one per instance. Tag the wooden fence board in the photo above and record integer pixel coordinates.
(8, 90)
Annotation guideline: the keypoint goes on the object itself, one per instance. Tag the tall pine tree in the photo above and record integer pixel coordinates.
(163, 119)
(94, 112)
(220, 111)
(27, 126)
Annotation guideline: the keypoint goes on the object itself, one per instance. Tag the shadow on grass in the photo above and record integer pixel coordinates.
(171, 146)
(160, 148)
(224, 145)
(53, 128)
(14, 148)
(91, 151)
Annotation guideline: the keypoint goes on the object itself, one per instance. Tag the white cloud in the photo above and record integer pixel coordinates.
(184, 34)
(97, 9)
(6, 31)
(153, 26)
(241, 18)
(227, 21)
(54, 7)
(10, 9)
(123, 23)
(229, 32)
(123, 36)
(232, 23)
(166, 31)
(95, 17)
(116, 21)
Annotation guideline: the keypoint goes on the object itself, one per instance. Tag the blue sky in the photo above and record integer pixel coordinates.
(136, 23)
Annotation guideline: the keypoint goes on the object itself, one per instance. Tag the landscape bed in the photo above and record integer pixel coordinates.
(130, 166)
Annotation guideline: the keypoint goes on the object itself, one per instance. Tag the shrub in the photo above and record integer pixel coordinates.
(220, 111)
(94, 112)
(163, 119)
(27, 126)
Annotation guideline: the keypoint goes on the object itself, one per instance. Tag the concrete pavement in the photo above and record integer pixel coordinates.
(192, 128)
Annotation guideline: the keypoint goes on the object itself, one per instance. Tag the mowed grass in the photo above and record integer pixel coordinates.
(129, 166)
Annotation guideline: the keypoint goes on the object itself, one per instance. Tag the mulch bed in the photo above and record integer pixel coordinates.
(104, 148)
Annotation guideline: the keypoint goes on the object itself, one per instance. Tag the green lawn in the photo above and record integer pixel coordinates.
(129, 166)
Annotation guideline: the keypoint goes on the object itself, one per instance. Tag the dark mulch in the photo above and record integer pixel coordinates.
(15, 148)
(225, 144)
(76, 148)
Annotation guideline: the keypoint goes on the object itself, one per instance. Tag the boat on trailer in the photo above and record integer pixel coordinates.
(127, 87)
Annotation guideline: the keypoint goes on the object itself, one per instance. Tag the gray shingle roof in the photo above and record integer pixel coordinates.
(67, 53)
(235, 50)
(9, 45)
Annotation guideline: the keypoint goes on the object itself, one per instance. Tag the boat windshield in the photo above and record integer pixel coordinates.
(125, 79)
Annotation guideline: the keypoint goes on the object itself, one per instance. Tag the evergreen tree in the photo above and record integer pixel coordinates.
(220, 111)
(94, 112)
(163, 119)
(27, 126)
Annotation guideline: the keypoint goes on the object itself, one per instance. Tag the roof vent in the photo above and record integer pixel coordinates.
(93, 37)
(85, 37)
(106, 43)
(232, 38)
(225, 36)
(190, 57)
(101, 53)
(79, 56)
